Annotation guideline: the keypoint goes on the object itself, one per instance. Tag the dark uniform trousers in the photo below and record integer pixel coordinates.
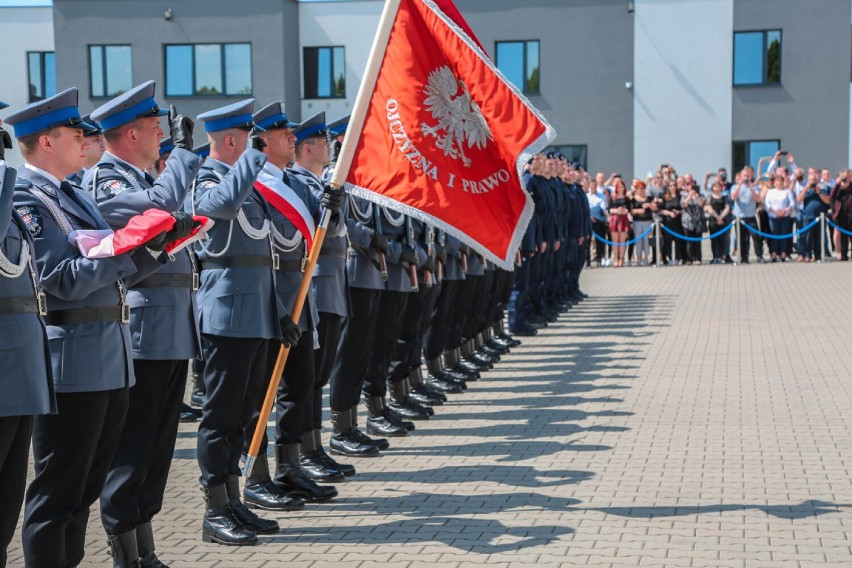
(69, 477)
(294, 404)
(474, 303)
(388, 325)
(519, 301)
(233, 376)
(356, 337)
(134, 488)
(15, 433)
(436, 337)
(329, 328)
(409, 344)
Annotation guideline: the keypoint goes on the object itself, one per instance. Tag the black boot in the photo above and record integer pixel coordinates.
(199, 391)
(220, 525)
(482, 349)
(145, 547)
(494, 342)
(381, 443)
(441, 381)
(377, 419)
(420, 392)
(346, 469)
(290, 477)
(468, 354)
(458, 369)
(313, 464)
(401, 403)
(123, 550)
(343, 441)
(261, 493)
(242, 513)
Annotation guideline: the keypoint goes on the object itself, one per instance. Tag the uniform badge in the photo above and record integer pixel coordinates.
(207, 184)
(32, 219)
(113, 187)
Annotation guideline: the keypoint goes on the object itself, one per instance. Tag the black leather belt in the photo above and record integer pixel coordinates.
(336, 253)
(88, 315)
(169, 281)
(291, 266)
(237, 262)
(18, 305)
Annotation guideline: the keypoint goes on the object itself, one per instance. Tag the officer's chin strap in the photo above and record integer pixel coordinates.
(284, 352)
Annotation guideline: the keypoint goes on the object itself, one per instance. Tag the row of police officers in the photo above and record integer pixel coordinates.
(97, 350)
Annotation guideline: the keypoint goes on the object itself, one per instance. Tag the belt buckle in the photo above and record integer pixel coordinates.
(41, 301)
(125, 313)
(196, 281)
(304, 264)
(348, 254)
(276, 261)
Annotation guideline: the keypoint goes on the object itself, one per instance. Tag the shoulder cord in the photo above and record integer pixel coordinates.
(8, 269)
(282, 243)
(364, 216)
(395, 221)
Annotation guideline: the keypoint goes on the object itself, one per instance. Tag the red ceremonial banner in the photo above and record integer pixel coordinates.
(445, 135)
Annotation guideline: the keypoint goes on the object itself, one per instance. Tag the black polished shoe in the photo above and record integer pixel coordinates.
(401, 403)
(344, 440)
(525, 331)
(220, 525)
(145, 546)
(346, 469)
(422, 393)
(290, 477)
(259, 491)
(378, 422)
(381, 443)
(394, 417)
(314, 467)
(242, 513)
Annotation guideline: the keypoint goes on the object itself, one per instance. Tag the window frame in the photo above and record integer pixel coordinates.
(42, 75)
(748, 144)
(223, 65)
(524, 88)
(764, 63)
(331, 48)
(560, 148)
(103, 47)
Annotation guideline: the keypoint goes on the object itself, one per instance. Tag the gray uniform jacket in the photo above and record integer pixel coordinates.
(85, 357)
(332, 289)
(362, 268)
(394, 227)
(26, 382)
(235, 301)
(453, 269)
(292, 252)
(163, 320)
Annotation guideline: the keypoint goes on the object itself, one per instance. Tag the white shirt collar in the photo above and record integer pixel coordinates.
(50, 177)
(274, 171)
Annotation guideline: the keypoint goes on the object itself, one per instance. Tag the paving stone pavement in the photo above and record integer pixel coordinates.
(687, 416)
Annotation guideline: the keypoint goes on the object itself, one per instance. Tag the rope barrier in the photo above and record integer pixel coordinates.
(698, 239)
(626, 243)
(804, 229)
(837, 228)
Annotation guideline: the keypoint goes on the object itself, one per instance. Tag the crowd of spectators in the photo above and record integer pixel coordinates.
(780, 199)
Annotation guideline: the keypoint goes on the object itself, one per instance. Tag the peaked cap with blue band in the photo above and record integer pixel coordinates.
(138, 102)
(272, 116)
(95, 131)
(58, 110)
(166, 146)
(237, 115)
(3, 105)
(314, 126)
(202, 151)
(339, 126)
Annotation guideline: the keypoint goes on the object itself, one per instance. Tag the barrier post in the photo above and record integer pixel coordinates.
(822, 237)
(738, 235)
(657, 238)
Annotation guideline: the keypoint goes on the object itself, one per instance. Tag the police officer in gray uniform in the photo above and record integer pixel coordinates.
(87, 328)
(311, 156)
(163, 315)
(28, 389)
(240, 313)
(93, 152)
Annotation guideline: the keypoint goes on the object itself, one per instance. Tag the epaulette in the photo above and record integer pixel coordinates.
(23, 184)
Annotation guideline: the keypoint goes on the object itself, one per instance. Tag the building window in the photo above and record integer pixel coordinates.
(109, 70)
(325, 72)
(42, 70)
(757, 58)
(208, 69)
(749, 152)
(519, 62)
(573, 153)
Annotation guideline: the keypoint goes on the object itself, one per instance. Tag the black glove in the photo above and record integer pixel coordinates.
(332, 199)
(159, 242)
(6, 143)
(429, 265)
(379, 242)
(408, 255)
(257, 142)
(180, 129)
(184, 224)
(290, 332)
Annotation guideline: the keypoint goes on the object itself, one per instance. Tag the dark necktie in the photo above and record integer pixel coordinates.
(149, 178)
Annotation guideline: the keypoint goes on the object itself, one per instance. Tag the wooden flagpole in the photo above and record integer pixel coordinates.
(344, 161)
